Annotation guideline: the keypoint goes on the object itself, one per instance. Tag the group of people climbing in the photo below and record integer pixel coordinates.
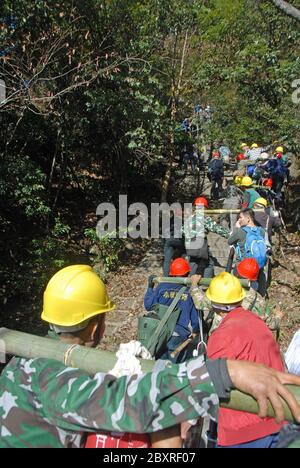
(219, 332)
(228, 320)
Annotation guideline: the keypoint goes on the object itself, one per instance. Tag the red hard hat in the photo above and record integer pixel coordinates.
(249, 269)
(240, 157)
(201, 201)
(180, 267)
(268, 183)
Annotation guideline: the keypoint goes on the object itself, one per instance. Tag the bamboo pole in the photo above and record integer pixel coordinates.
(94, 361)
(187, 281)
(226, 211)
(87, 359)
(241, 402)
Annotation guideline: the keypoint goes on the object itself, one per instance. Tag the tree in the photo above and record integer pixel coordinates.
(287, 8)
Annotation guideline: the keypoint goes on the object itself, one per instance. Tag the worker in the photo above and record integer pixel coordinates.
(277, 171)
(216, 174)
(46, 404)
(256, 151)
(188, 320)
(266, 218)
(250, 242)
(250, 194)
(243, 336)
(286, 161)
(247, 269)
(246, 149)
(195, 230)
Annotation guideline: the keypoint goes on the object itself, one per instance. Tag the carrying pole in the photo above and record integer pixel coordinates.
(92, 361)
(187, 281)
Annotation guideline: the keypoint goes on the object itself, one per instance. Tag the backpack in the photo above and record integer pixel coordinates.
(255, 246)
(215, 169)
(156, 328)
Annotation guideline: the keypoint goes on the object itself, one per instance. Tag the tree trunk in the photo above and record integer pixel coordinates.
(176, 90)
(287, 9)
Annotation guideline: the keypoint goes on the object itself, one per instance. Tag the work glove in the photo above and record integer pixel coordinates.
(151, 281)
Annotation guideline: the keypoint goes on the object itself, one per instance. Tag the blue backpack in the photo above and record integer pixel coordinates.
(255, 246)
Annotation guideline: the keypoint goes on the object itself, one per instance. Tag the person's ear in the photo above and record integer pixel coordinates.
(97, 328)
(94, 327)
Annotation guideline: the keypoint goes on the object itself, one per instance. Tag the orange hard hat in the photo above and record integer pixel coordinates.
(201, 201)
(180, 267)
(249, 269)
(268, 183)
(240, 157)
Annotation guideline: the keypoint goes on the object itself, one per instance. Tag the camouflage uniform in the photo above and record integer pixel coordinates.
(257, 304)
(45, 404)
(253, 302)
(199, 224)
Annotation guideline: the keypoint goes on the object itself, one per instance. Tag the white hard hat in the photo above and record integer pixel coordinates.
(264, 156)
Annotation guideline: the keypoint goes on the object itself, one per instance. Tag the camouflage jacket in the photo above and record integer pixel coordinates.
(45, 404)
(253, 302)
(199, 225)
(257, 304)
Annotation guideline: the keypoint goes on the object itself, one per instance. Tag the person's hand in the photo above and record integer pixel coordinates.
(195, 280)
(238, 224)
(151, 281)
(266, 386)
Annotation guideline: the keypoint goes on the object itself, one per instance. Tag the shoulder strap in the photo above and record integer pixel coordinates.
(164, 320)
(251, 307)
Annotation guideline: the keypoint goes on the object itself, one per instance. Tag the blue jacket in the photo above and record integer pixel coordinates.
(276, 167)
(164, 294)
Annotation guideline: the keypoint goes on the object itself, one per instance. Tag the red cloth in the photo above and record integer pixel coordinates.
(117, 440)
(244, 336)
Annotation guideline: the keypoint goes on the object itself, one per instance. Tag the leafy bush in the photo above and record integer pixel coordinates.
(106, 250)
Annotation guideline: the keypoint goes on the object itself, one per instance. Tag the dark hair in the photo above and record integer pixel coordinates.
(250, 213)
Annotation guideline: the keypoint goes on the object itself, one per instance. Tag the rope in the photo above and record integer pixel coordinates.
(68, 353)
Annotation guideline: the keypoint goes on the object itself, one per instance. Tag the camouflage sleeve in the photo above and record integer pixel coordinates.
(197, 296)
(212, 226)
(263, 309)
(147, 403)
(273, 322)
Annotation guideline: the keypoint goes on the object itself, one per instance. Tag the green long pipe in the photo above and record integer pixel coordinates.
(93, 361)
(187, 281)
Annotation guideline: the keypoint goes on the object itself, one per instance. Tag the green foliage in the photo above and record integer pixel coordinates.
(97, 93)
(22, 183)
(106, 250)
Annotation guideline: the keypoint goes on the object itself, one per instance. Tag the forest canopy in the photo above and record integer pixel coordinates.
(95, 93)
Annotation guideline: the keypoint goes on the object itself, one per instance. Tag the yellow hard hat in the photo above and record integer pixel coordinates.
(75, 295)
(246, 182)
(254, 146)
(238, 180)
(261, 201)
(280, 149)
(244, 145)
(225, 289)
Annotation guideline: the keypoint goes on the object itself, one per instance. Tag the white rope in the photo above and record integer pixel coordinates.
(68, 353)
